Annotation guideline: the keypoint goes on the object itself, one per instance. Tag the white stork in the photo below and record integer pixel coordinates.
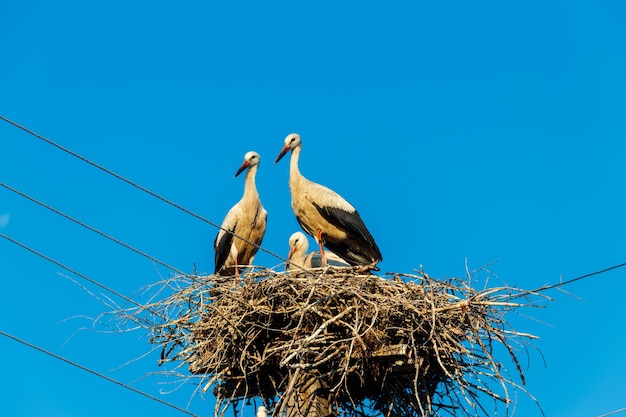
(326, 216)
(247, 219)
(297, 257)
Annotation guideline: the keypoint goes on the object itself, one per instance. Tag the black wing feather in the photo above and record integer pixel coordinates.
(360, 247)
(222, 248)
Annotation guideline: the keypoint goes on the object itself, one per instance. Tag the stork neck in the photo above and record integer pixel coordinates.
(250, 183)
(294, 171)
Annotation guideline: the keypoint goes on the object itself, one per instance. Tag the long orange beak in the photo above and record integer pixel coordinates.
(242, 168)
(282, 153)
(287, 266)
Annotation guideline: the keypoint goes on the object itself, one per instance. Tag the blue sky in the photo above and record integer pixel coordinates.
(461, 132)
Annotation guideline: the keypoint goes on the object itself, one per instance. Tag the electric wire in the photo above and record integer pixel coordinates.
(119, 242)
(569, 281)
(98, 374)
(139, 187)
(86, 278)
(613, 412)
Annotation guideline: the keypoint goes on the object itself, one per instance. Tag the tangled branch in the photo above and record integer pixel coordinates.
(355, 342)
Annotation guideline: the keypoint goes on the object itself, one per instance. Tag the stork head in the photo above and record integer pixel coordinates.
(250, 159)
(292, 141)
(298, 244)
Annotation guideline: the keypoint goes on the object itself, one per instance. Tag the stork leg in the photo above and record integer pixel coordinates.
(236, 268)
(235, 254)
(319, 236)
(250, 263)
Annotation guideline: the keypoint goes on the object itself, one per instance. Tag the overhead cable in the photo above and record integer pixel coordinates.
(98, 374)
(86, 278)
(139, 187)
(119, 242)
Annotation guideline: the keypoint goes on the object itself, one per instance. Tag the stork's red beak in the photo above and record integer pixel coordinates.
(287, 264)
(282, 153)
(290, 253)
(242, 168)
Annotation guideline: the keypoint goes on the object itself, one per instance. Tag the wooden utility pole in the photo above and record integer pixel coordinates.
(308, 397)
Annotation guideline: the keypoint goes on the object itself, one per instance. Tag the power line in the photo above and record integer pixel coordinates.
(613, 412)
(139, 187)
(569, 281)
(86, 278)
(119, 242)
(83, 368)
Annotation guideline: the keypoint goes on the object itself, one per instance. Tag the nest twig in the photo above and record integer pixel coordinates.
(404, 346)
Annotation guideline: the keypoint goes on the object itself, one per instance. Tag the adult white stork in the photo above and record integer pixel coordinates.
(326, 216)
(297, 257)
(247, 219)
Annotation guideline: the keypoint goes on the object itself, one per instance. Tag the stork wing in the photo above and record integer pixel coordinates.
(351, 222)
(222, 244)
(360, 247)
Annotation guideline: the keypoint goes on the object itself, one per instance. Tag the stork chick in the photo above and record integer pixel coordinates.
(297, 257)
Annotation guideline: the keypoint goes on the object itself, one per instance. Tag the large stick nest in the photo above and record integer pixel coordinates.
(404, 346)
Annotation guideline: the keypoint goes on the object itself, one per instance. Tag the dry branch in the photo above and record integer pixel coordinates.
(405, 346)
